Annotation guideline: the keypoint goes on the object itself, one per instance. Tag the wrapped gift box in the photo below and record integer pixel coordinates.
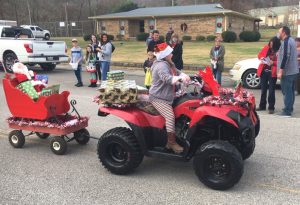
(54, 89)
(118, 92)
(115, 75)
(27, 87)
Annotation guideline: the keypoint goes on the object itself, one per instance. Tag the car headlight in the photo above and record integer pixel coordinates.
(236, 67)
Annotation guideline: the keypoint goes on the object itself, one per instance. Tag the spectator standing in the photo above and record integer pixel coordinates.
(149, 39)
(267, 71)
(90, 60)
(147, 69)
(177, 45)
(76, 57)
(287, 69)
(298, 79)
(104, 54)
(94, 44)
(217, 54)
(169, 35)
(154, 42)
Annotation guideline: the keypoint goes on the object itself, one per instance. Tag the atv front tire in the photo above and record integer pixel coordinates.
(248, 150)
(119, 151)
(218, 164)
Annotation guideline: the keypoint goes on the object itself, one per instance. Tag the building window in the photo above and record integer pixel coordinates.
(122, 27)
(142, 26)
(151, 24)
(102, 27)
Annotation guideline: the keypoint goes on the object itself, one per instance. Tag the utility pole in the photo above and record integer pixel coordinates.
(67, 21)
(298, 21)
(29, 12)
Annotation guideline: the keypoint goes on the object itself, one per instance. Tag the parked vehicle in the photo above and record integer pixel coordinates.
(217, 138)
(38, 32)
(245, 71)
(17, 43)
(8, 23)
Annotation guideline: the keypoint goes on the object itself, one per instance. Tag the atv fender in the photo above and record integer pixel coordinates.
(136, 117)
(211, 111)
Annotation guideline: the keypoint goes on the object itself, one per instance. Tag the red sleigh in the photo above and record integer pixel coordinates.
(22, 106)
(48, 115)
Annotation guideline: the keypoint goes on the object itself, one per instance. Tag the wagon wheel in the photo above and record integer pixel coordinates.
(58, 145)
(42, 135)
(16, 138)
(82, 136)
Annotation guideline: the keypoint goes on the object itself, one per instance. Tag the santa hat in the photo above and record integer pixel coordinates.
(162, 50)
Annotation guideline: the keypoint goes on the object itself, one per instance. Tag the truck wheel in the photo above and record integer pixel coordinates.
(16, 138)
(47, 37)
(48, 66)
(82, 136)
(119, 151)
(251, 80)
(218, 165)
(9, 60)
(248, 150)
(42, 135)
(58, 145)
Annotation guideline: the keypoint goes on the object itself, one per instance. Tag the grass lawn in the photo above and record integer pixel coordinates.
(196, 53)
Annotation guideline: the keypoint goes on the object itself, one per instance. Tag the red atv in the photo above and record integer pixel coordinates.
(217, 131)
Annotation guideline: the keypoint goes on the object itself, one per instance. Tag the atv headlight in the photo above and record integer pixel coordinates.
(236, 67)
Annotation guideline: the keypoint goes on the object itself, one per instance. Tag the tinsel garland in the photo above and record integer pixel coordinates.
(229, 96)
(59, 122)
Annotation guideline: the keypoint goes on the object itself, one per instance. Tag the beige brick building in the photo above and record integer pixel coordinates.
(195, 20)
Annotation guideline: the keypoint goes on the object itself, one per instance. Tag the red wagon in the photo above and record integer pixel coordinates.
(44, 117)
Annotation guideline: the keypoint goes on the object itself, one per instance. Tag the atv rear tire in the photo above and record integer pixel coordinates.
(119, 151)
(218, 164)
(248, 150)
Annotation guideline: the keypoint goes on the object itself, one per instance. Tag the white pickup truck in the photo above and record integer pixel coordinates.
(18, 43)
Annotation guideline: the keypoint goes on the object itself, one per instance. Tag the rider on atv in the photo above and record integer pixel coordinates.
(162, 92)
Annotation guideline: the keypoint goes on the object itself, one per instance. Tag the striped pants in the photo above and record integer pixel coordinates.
(167, 112)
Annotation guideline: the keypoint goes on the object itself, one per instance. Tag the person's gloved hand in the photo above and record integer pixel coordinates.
(176, 79)
(185, 78)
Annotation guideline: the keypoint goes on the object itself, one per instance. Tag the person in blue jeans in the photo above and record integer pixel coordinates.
(104, 54)
(76, 57)
(217, 54)
(288, 71)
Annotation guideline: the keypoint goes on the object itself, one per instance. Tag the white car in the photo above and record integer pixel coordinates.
(245, 71)
(38, 32)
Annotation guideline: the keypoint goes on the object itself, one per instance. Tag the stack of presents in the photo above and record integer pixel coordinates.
(118, 92)
(32, 84)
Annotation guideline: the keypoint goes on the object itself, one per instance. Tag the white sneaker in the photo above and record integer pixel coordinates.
(98, 82)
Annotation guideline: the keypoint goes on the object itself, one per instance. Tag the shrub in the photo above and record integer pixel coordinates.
(250, 36)
(200, 38)
(120, 37)
(142, 36)
(87, 37)
(211, 38)
(186, 38)
(162, 38)
(110, 37)
(229, 36)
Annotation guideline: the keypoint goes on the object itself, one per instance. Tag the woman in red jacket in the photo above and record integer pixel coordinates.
(267, 71)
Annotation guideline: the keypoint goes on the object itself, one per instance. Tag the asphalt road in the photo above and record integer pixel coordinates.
(34, 175)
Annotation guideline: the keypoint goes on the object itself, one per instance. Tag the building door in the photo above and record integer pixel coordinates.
(135, 27)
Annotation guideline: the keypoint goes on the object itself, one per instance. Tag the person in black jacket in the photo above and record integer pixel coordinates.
(154, 42)
(177, 45)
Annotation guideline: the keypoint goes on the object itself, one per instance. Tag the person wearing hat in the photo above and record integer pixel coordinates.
(76, 57)
(162, 92)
